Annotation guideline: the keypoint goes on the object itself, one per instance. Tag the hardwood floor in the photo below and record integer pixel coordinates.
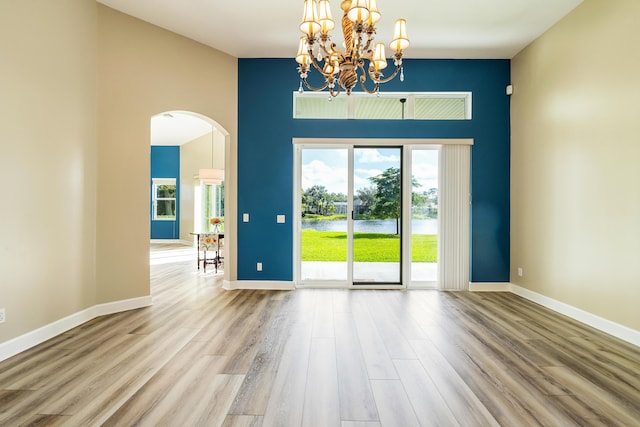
(203, 356)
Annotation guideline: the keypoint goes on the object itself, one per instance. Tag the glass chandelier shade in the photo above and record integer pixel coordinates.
(359, 11)
(302, 57)
(374, 13)
(310, 24)
(400, 39)
(324, 17)
(342, 70)
(379, 60)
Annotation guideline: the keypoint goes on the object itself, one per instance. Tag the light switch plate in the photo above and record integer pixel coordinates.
(245, 217)
(280, 219)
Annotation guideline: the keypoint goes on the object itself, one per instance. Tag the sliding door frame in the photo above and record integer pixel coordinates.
(406, 144)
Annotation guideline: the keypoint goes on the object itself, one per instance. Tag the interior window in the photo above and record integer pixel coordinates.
(164, 199)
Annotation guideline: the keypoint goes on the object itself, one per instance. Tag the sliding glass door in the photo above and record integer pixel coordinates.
(425, 170)
(323, 211)
(350, 215)
(377, 215)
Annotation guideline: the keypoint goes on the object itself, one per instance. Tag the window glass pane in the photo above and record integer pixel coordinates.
(166, 209)
(377, 221)
(424, 216)
(313, 106)
(165, 191)
(220, 199)
(440, 108)
(323, 241)
(372, 107)
(212, 206)
(208, 211)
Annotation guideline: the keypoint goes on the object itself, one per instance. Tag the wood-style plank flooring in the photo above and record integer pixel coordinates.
(203, 356)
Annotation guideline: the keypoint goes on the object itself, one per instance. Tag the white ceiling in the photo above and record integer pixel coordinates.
(177, 128)
(437, 28)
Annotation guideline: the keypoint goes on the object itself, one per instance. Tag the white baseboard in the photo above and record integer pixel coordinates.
(31, 339)
(612, 328)
(182, 242)
(489, 287)
(258, 284)
(124, 305)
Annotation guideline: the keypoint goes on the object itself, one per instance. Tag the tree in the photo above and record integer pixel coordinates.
(432, 201)
(425, 203)
(419, 202)
(304, 202)
(316, 199)
(367, 198)
(338, 197)
(388, 195)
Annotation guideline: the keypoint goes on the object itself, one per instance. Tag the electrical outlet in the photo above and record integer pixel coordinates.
(259, 266)
(2, 315)
(520, 272)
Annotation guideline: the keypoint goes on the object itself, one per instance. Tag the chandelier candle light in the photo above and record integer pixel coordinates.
(358, 26)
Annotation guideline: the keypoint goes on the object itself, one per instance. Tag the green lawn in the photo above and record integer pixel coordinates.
(373, 247)
(316, 217)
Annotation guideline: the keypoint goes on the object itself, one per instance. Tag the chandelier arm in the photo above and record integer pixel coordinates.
(317, 66)
(324, 39)
(363, 79)
(329, 52)
(375, 89)
(328, 57)
(385, 80)
(314, 88)
(370, 37)
(335, 93)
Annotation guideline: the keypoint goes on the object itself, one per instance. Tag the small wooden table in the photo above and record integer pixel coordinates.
(216, 260)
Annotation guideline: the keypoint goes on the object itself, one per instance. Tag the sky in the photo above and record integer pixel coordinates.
(329, 167)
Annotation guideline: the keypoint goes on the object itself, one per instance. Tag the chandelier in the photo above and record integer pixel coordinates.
(347, 67)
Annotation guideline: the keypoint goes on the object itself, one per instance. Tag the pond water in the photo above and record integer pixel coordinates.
(418, 226)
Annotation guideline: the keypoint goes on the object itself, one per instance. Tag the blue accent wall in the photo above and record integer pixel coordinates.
(165, 163)
(265, 155)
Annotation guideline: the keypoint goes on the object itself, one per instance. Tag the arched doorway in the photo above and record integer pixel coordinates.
(186, 147)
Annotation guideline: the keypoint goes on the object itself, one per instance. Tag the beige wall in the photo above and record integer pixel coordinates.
(575, 186)
(204, 152)
(143, 71)
(47, 161)
(80, 83)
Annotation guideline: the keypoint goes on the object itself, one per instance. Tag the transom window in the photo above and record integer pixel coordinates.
(391, 106)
